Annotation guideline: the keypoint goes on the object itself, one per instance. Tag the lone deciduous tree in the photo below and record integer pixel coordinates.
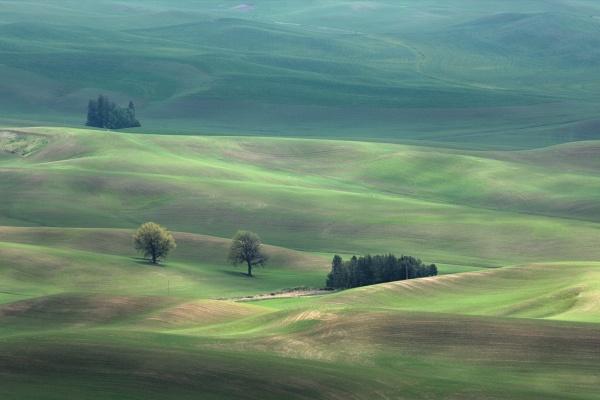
(153, 241)
(246, 248)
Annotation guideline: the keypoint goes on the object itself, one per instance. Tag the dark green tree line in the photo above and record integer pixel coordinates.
(103, 113)
(370, 270)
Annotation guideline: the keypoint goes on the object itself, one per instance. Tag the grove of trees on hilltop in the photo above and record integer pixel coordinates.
(103, 113)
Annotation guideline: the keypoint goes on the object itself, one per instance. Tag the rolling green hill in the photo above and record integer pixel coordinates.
(81, 315)
(116, 331)
(468, 208)
(499, 75)
(462, 132)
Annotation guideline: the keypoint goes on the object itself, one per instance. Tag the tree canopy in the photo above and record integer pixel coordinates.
(102, 113)
(246, 248)
(153, 241)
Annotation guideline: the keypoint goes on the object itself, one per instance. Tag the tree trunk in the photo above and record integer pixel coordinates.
(153, 252)
(249, 268)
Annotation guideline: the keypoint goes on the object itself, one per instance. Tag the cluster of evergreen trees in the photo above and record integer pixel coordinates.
(370, 270)
(103, 113)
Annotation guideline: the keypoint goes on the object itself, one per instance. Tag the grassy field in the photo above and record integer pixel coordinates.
(459, 73)
(515, 314)
(494, 335)
(461, 208)
(462, 132)
(83, 317)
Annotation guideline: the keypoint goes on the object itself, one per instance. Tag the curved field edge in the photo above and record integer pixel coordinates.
(460, 208)
(79, 309)
(154, 346)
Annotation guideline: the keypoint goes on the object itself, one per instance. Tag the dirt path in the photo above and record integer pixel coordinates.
(282, 294)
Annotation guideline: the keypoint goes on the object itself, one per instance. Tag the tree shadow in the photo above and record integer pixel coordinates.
(237, 273)
(146, 262)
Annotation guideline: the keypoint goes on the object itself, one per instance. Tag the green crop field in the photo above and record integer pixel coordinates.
(83, 316)
(504, 74)
(461, 132)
